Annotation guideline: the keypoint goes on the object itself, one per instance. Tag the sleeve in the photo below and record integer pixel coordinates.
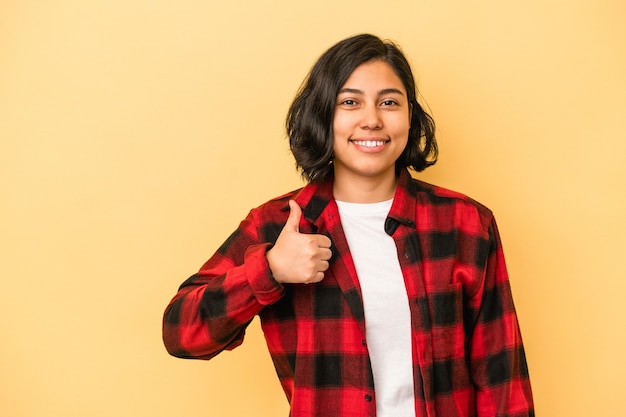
(213, 307)
(497, 359)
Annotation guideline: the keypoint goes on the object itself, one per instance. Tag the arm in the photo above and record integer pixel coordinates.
(498, 363)
(212, 309)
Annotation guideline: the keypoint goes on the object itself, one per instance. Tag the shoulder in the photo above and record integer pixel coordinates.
(266, 220)
(441, 195)
(447, 205)
(279, 203)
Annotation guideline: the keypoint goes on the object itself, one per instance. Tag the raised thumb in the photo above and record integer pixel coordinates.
(293, 221)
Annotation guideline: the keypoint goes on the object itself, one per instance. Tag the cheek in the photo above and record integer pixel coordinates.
(340, 124)
(401, 127)
(402, 132)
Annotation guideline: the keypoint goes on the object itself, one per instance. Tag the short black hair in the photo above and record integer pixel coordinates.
(310, 118)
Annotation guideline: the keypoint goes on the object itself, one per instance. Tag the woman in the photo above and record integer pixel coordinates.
(378, 294)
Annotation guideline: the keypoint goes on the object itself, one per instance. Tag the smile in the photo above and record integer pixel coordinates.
(369, 143)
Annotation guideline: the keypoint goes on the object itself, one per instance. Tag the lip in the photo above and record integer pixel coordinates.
(370, 145)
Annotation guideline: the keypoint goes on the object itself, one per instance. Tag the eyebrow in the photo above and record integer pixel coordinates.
(380, 93)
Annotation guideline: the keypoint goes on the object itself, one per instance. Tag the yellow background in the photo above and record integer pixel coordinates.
(135, 135)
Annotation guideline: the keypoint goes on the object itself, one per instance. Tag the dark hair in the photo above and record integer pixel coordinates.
(310, 117)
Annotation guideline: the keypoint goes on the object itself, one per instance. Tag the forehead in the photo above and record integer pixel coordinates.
(374, 74)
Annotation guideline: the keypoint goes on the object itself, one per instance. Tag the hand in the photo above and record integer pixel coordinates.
(298, 258)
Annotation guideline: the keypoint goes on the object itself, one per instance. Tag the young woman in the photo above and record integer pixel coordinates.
(378, 294)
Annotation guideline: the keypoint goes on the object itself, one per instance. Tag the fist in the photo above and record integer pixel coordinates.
(298, 258)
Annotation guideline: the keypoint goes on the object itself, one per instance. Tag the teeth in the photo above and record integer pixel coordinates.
(369, 143)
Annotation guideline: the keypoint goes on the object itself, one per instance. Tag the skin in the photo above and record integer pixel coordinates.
(298, 258)
(371, 128)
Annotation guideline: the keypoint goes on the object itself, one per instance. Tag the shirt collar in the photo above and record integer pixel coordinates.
(314, 198)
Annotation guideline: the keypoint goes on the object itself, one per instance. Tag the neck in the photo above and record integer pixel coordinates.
(364, 190)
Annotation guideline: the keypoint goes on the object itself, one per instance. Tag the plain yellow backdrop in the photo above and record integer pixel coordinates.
(135, 135)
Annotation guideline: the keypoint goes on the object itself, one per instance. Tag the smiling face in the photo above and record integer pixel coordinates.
(370, 125)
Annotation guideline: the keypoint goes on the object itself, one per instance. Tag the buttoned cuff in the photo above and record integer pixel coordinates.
(265, 288)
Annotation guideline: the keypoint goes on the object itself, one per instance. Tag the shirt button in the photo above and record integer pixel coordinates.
(368, 397)
(363, 342)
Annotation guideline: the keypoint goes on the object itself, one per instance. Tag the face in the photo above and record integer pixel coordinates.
(371, 124)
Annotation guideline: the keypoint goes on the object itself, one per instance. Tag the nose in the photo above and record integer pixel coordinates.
(371, 118)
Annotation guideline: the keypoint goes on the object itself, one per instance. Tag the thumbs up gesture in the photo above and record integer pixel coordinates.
(298, 258)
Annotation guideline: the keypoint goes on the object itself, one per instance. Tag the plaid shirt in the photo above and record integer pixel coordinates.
(468, 358)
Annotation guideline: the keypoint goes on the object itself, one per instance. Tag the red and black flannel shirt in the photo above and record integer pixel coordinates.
(468, 358)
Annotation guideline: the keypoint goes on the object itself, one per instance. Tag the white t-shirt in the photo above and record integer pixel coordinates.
(386, 305)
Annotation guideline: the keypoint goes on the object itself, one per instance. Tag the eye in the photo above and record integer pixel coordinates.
(348, 102)
(389, 103)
